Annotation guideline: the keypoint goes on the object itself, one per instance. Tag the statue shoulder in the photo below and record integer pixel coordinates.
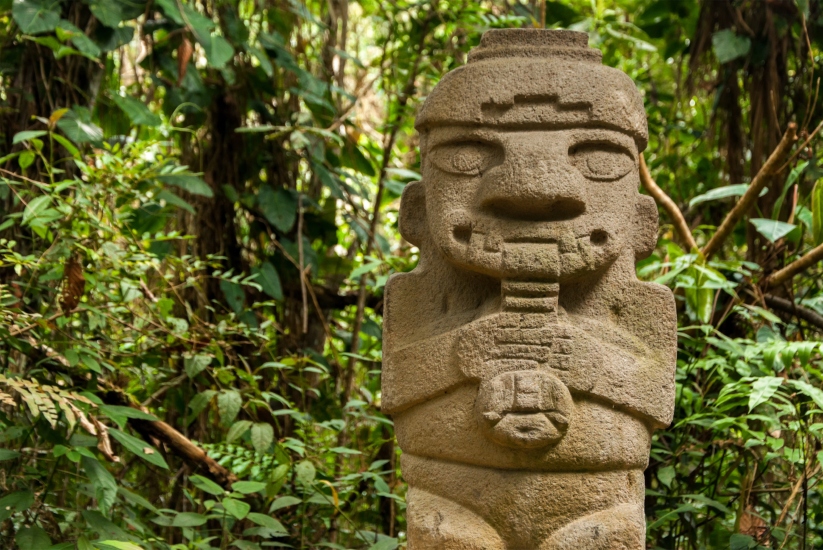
(648, 311)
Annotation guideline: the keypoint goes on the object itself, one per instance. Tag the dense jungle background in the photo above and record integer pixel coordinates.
(198, 215)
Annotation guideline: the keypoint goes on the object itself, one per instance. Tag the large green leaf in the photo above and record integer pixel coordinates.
(78, 127)
(763, 389)
(218, 51)
(279, 207)
(105, 486)
(305, 472)
(237, 508)
(248, 487)
(194, 365)
(817, 212)
(108, 12)
(85, 45)
(188, 182)
(120, 545)
(137, 112)
(189, 519)
(8, 454)
(139, 447)
(206, 485)
(18, 501)
(794, 175)
(262, 435)
(284, 502)
(237, 430)
(741, 542)
(720, 193)
(103, 526)
(32, 538)
(816, 394)
(385, 544)
(234, 294)
(36, 16)
(728, 46)
(229, 403)
(269, 280)
(267, 521)
(35, 208)
(27, 135)
(772, 229)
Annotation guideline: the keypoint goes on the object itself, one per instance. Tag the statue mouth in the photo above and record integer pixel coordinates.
(560, 229)
(557, 210)
(549, 250)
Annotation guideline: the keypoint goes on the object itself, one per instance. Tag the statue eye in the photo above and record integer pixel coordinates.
(601, 161)
(466, 158)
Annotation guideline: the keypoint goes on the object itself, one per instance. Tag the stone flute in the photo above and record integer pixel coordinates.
(525, 365)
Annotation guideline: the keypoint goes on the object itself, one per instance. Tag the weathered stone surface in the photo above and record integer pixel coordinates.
(525, 366)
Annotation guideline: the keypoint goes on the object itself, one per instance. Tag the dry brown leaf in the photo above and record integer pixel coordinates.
(74, 283)
(184, 52)
(103, 441)
(754, 526)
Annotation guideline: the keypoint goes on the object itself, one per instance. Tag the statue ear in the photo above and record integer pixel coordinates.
(645, 227)
(413, 213)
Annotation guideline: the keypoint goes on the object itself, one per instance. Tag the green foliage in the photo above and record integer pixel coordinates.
(198, 215)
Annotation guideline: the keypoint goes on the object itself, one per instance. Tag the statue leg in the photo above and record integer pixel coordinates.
(437, 523)
(620, 528)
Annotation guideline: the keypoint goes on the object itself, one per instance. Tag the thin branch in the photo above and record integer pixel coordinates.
(802, 146)
(801, 264)
(668, 205)
(795, 492)
(770, 168)
(301, 259)
(801, 312)
(179, 444)
(17, 331)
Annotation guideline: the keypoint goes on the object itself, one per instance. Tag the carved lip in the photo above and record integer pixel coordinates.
(541, 234)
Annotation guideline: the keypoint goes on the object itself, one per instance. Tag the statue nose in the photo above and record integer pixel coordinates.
(534, 189)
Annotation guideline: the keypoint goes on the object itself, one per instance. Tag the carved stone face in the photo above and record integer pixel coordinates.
(530, 204)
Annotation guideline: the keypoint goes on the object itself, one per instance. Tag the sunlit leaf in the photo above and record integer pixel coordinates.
(279, 207)
(36, 16)
(189, 519)
(139, 447)
(772, 229)
(196, 364)
(262, 435)
(27, 135)
(305, 472)
(137, 112)
(188, 182)
(728, 46)
(105, 486)
(237, 508)
(33, 538)
(269, 280)
(229, 403)
(763, 389)
(817, 212)
(266, 521)
(248, 487)
(284, 502)
(206, 485)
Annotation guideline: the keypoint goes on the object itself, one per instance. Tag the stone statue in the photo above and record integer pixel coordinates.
(525, 365)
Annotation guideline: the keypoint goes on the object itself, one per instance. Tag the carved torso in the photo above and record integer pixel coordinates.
(523, 345)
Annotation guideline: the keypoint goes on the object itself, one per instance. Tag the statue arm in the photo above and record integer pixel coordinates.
(419, 372)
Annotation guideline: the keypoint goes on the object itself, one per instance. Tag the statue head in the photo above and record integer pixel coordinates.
(530, 162)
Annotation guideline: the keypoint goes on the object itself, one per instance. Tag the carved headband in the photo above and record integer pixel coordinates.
(564, 86)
